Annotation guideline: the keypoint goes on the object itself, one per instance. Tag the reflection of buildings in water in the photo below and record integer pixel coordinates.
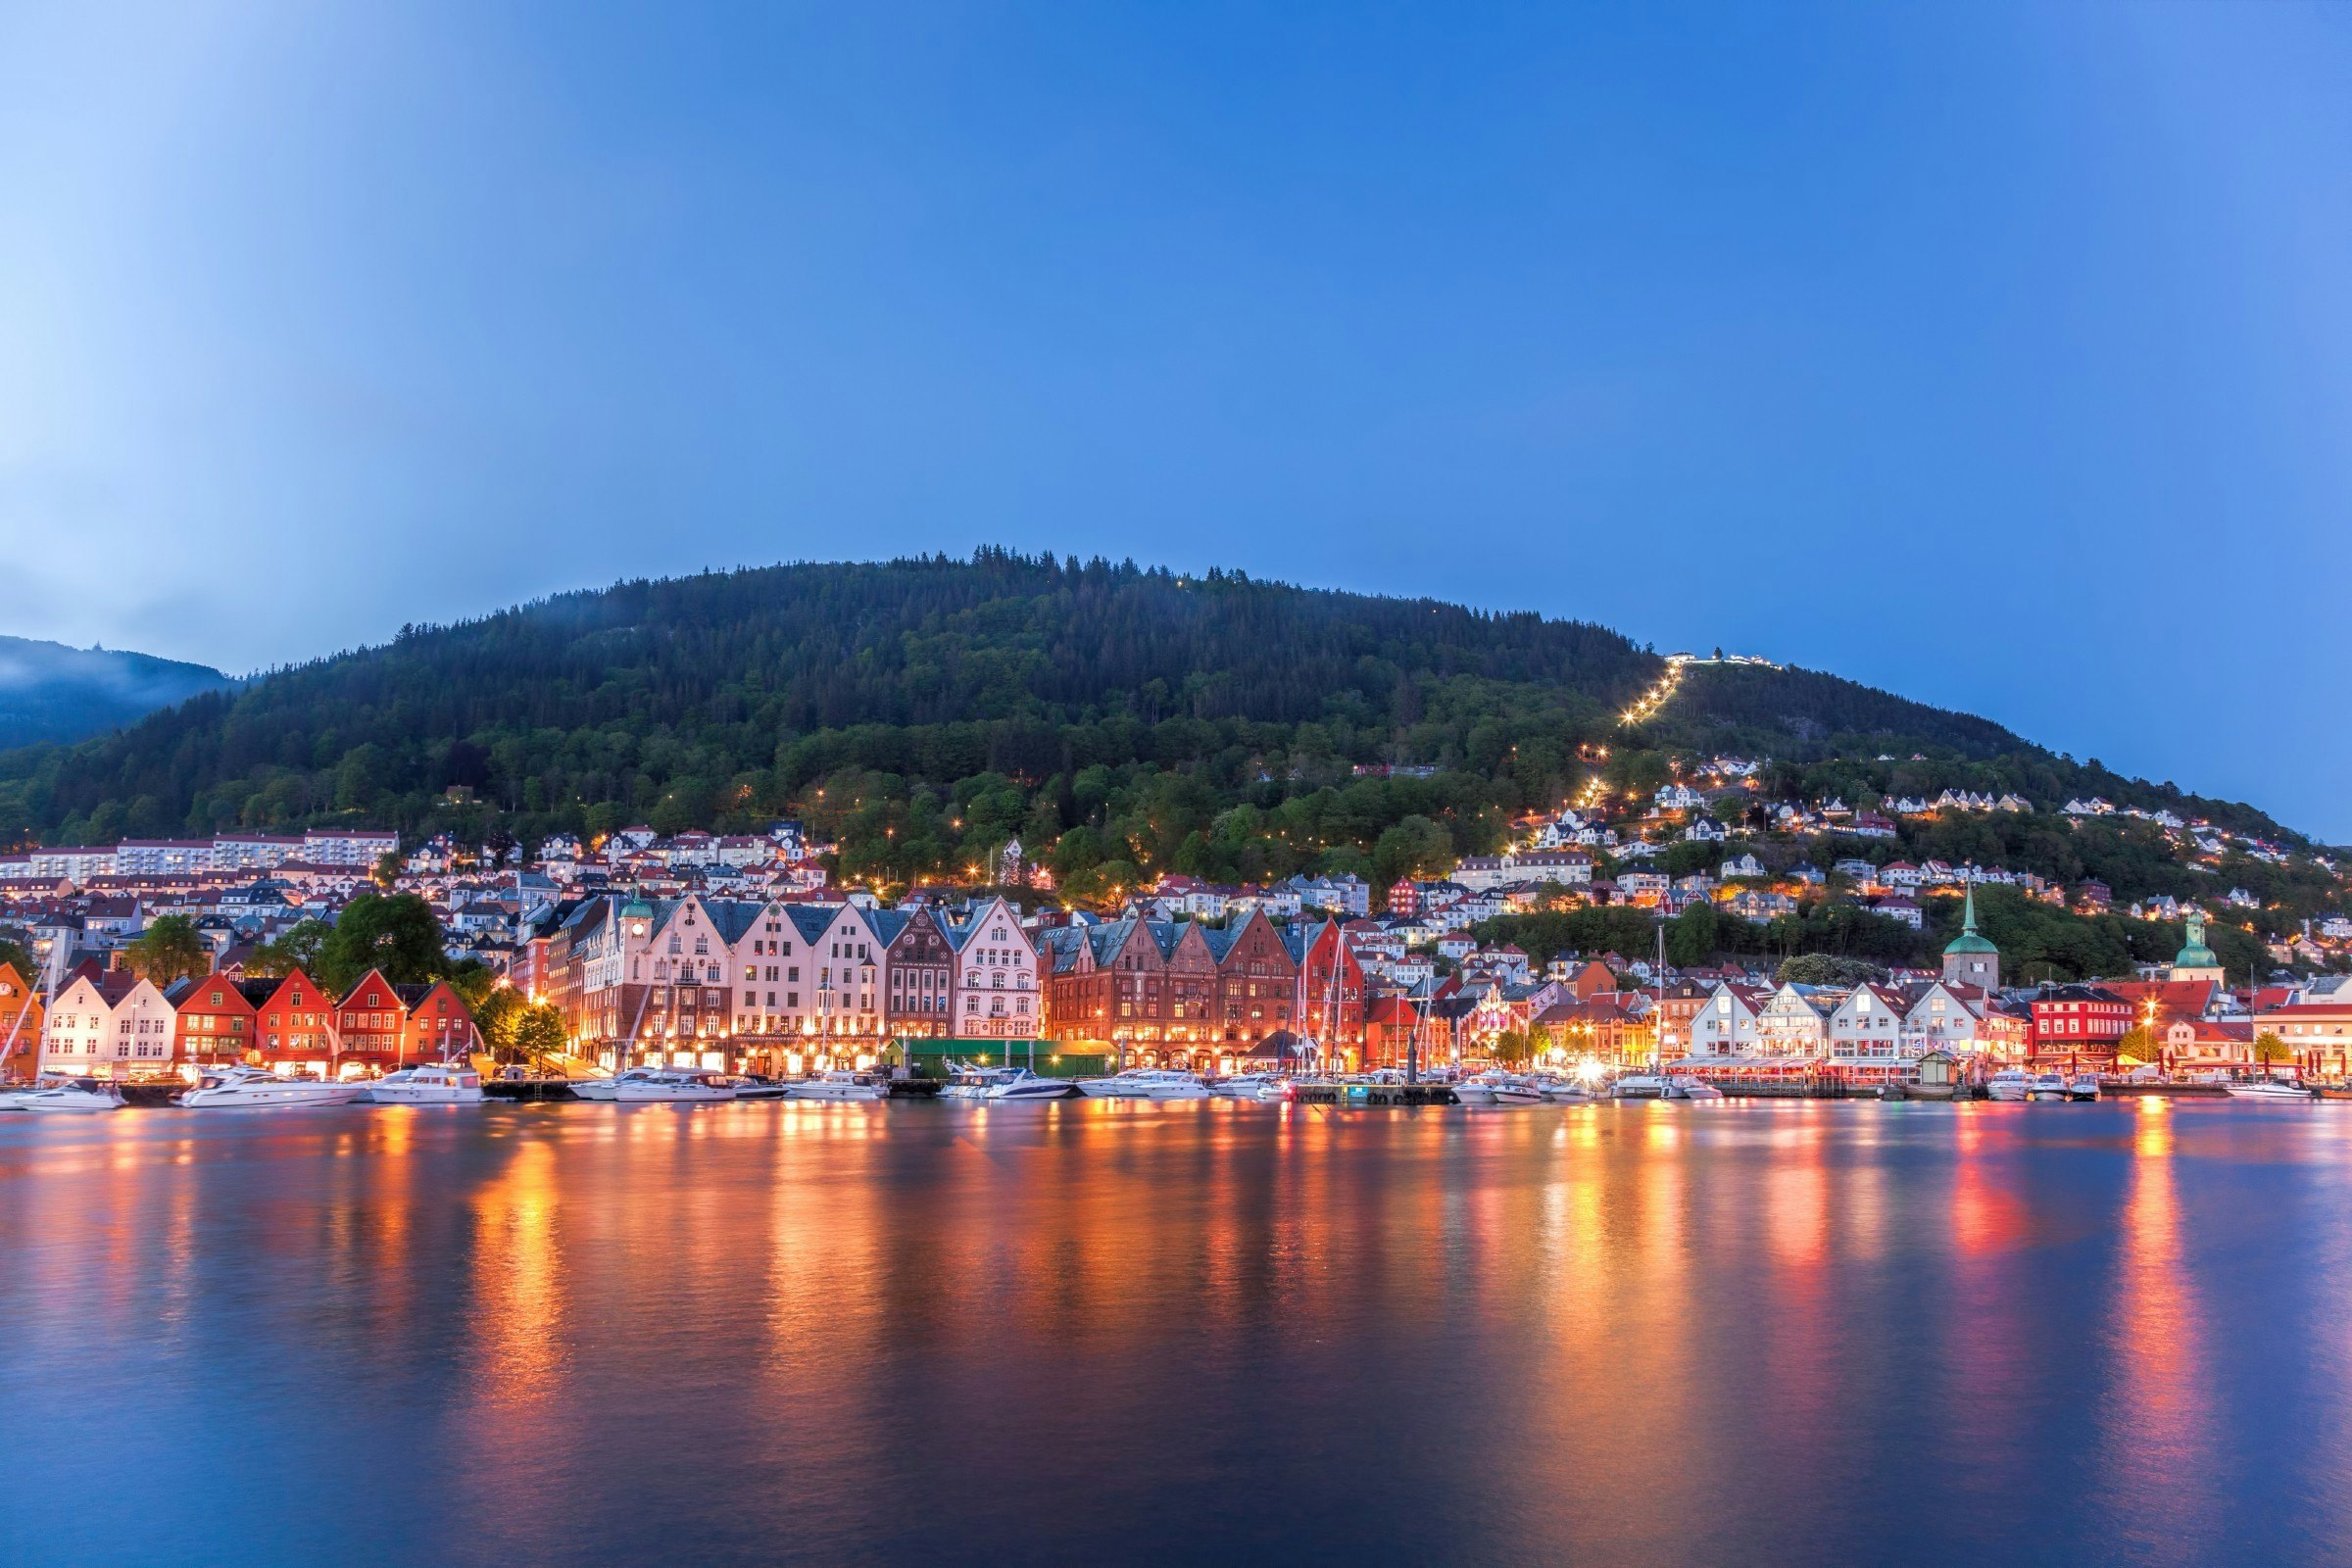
(1983, 1384)
(2157, 1417)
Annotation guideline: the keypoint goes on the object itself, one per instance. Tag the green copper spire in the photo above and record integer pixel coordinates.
(1968, 940)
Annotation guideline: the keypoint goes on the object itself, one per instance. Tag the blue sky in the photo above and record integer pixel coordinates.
(2000, 356)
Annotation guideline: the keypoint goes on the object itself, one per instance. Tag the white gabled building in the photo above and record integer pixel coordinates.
(997, 991)
(111, 1025)
(1947, 1015)
(1793, 1023)
(1725, 1025)
(1870, 1023)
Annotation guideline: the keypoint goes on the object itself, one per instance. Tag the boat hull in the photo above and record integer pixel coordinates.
(836, 1091)
(413, 1095)
(288, 1096)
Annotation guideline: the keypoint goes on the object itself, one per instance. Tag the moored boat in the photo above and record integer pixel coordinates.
(667, 1088)
(1025, 1085)
(604, 1091)
(2010, 1084)
(840, 1085)
(64, 1096)
(1638, 1086)
(1682, 1086)
(2046, 1086)
(750, 1086)
(2084, 1086)
(2269, 1089)
(433, 1083)
(255, 1089)
(1244, 1085)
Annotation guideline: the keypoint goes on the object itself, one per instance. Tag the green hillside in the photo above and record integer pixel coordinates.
(1122, 720)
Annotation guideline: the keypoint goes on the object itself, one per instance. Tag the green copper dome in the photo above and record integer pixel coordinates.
(1968, 940)
(2196, 955)
(636, 909)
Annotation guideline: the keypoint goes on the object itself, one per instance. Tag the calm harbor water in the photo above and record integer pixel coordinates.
(1801, 1333)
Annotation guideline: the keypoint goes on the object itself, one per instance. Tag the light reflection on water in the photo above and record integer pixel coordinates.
(1097, 1332)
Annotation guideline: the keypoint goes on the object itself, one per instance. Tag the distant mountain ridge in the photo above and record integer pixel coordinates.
(50, 692)
(963, 699)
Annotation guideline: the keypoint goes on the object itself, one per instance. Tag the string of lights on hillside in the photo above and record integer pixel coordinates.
(1645, 706)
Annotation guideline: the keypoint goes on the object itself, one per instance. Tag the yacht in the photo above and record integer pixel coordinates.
(1499, 1089)
(1682, 1086)
(1640, 1086)
(1126, 1084)
(435, 1083)
(663, 1087)
(603, 1090)
(257, 1089)
(840, 1085)
(1169, 1083)
(2084, 1086)
(2269, 1089)
(966, 1082)
(1566, 1090)
(2046, 1086)
(2009, 1084)
(68, 1095)
(1026, 1084)
(1244, 1085)
(750, 1086)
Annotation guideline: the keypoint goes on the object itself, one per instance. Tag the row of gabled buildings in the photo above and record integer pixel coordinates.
(112, 1023)
(779, 985)
(793, 986)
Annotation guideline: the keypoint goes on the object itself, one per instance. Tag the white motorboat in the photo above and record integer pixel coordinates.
(674, 1087)
(2009, 1084)
(68, 1096)
(1638, 1086)
(840, 1085)
(2269, 1089)
(257, 1089)
(1566, 1090)
(1146, 1083)
(433, 1083)
(2085, 1085)
(1682, 1086)
(1025, 1085)
(750, 1086)
(604, 1091)
(1499, 1089)
(2046, 1086)
(966, 1082)
(1244, 1085)
(1118, 1085)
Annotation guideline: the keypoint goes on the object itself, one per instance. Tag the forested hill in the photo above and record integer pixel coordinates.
(50, 692)
(922, 708)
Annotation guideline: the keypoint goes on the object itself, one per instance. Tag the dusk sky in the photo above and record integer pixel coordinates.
(1998, 356)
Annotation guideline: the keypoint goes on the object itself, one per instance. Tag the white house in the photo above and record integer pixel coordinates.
(1949, 1015)
(115, 1025)
(1725, 1025)
(1869, 1023)
(997, 991)
(1793, 1023)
